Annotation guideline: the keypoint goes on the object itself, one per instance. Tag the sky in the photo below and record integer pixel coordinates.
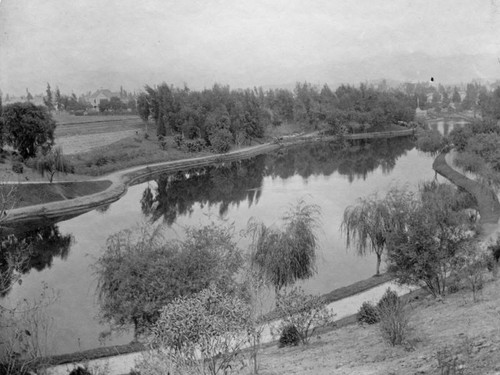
(85, 45)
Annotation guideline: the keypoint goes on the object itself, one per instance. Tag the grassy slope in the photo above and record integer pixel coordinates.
(31, 194)
(470, 332)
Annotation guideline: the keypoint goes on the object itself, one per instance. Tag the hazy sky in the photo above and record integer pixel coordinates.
(83, 45)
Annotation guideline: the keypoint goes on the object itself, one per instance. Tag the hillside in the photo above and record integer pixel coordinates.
(455, 328)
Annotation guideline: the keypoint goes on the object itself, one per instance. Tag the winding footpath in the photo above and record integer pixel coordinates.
(487, 200)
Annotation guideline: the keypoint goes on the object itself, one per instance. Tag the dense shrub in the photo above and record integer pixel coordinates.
(368, 313)
(141, 272)
(101, 160)
(178, 140)
(289, 336)
(459, 138)
(194, 145)
(220, 140)
(80, 371)
(208, 325)
(469, 162)
(430, 141)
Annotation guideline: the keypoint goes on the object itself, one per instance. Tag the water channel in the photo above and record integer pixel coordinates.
(263, 187)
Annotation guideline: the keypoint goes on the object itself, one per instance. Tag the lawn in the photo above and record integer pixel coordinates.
(37, 193)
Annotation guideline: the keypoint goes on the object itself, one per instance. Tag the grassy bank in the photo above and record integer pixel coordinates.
(24, 195)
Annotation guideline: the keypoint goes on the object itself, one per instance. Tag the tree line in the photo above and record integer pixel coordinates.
(219, 115)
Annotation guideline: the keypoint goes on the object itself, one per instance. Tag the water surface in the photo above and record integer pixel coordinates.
(262, 187)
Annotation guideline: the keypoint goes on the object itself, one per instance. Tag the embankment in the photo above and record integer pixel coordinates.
(119, 181)
(487, 200)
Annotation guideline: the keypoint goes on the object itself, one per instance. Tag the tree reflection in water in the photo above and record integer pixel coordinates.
(35, 248)
(232, 183)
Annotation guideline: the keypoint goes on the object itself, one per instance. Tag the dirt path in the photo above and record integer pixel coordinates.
(487, 200)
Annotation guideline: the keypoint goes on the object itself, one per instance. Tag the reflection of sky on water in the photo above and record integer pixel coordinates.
(76, 313)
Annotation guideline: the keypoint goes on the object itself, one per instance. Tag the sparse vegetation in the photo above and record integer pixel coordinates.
(301, 314)
(394, 320)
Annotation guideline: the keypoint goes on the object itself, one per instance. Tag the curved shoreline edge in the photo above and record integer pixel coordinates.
(121, 180)
(487, 200)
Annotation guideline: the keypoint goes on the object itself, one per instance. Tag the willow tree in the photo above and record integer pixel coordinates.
(367, 225)
(287, 254)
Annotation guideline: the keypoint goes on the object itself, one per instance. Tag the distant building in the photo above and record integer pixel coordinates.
(95, 98)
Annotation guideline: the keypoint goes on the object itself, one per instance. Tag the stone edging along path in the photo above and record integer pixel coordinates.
(122, 179)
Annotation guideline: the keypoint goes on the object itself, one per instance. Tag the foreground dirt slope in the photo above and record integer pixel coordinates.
(470, 332)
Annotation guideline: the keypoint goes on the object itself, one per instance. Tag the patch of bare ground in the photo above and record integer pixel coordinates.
(453, 329)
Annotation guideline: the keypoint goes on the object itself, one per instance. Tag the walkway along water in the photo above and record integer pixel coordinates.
(122, 179)
(487, 200)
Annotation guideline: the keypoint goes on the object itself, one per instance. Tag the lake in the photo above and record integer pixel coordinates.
(263, 187)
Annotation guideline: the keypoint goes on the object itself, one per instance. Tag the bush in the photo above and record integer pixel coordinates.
(368, 313)
(163, 142)
(195, 145)
(80, 371)
(100, 160)
(430, 141)
(304, 312)
(389, 299)
(469, 162)
(220, 140)
(208, 325)
(393, 319)
(469, 264)
(289, 336)
(17, 167)
(179, 140)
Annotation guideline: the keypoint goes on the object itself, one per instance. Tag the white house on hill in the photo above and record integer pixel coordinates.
(99, 95)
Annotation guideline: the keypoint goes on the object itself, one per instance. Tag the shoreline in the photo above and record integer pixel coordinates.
(121, 180)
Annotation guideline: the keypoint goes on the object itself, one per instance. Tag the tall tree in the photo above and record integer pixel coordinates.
(1, 121)
(139, 273)
(368, 224)
(47, 100)
(284, 255)
(143, 108)
(456, 96)
(52, 162)
(28, 127)
(29, 97)
(59, 105)
(422, 251)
